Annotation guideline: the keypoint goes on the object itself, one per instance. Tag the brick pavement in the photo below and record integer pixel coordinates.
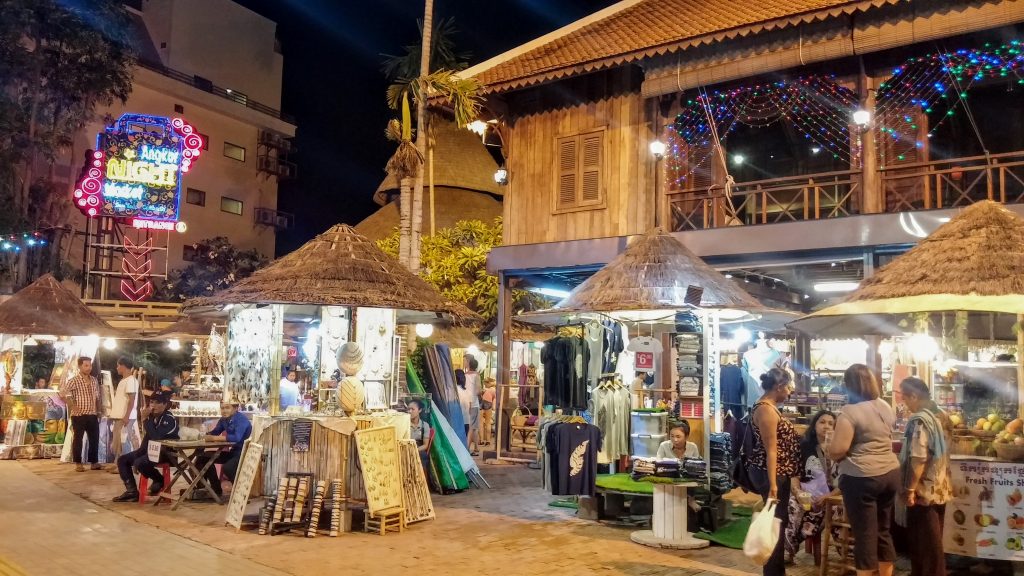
(509, 530)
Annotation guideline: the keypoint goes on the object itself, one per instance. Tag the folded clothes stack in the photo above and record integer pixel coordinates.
(654, 467)
(721, 462)
(695, 469)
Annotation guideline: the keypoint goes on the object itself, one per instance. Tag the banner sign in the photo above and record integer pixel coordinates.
(986, 517)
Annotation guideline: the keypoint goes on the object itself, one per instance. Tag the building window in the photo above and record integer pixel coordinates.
(234, 151)
(206, 140)
(197, 197)
(179, 109)
(580, 182)
(189, 253)
(230, 205)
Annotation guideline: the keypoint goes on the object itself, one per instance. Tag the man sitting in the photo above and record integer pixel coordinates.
(159, 425)
(232, 427)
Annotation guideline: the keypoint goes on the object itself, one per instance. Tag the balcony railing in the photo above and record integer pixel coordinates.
(907, 187)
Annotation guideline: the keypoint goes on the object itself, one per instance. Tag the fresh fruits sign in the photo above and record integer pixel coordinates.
(986, 517)
(135, 172)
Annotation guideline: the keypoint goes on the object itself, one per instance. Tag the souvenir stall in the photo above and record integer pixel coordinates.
(669, 306)
(343, 297)
(197, 402)
(521, 400)
(44, 328)
(971, 267)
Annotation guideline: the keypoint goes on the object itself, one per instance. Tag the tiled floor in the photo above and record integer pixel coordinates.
(508, 530)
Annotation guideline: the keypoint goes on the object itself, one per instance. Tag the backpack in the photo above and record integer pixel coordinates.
(741, 451)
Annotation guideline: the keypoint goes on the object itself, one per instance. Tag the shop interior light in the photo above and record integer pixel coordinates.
(836, 286)
(741, 335)
(551, 292)
(174, 344)
(861, 117)
(658, 149)
(312, 344)
(478, 127)
(110, 344)
(424, 330)
(501, 176)
(473, 350)
(922, 347)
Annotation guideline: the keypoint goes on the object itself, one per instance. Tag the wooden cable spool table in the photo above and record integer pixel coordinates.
(668, 521)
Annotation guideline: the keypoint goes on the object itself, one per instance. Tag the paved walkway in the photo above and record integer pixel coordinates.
(47, 530)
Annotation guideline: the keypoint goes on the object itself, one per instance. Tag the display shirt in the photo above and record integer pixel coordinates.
(120, 406)
(573, 448)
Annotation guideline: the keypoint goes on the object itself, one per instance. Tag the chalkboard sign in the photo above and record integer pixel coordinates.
(247, 468)
(301, 432)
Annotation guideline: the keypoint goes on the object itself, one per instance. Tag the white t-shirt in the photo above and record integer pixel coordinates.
(127, 385)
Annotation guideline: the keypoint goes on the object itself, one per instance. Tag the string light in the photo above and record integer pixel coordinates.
(18, 241)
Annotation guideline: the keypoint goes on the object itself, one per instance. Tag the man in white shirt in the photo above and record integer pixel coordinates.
(123, 410)
(289, 390)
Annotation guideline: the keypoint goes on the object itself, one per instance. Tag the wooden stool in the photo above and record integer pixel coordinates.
(392, 519)
(834, 507)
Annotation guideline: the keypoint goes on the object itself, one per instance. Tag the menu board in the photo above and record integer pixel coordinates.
(986, 517)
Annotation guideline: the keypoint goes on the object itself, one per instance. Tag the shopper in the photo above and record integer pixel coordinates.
(159, 425)
(232, 427)
(817, 478)
(869, 470)
(123, 410)
(677, 446)
(469, 398)
(289, 391)
(926, 485)
(487, 411)
(775, 459)
(79, 393)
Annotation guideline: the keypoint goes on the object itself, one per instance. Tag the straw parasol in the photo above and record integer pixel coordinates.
(655, 272)
(460, 337)
(188, 327)
(47, 308)
(974, 262)
(341, 268)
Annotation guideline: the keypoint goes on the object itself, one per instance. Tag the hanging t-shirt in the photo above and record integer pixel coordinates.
(593, 333)
(614, 344)
(645, 353)
(574, 448)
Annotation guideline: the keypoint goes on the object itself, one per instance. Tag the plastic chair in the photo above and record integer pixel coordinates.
(144, 482)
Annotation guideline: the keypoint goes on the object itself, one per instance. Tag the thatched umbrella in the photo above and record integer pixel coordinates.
(339, 268)
(47, 308)
(974, 262)
(654, 273)
(188, 327)
(460, 337)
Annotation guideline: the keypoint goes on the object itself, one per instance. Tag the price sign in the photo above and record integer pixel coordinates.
(644, 361)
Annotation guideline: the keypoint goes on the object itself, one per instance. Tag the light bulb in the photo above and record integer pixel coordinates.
(424, 330)
(110, 344)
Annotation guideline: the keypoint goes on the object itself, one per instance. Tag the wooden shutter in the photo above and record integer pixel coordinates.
(567, 173)
(590, 169)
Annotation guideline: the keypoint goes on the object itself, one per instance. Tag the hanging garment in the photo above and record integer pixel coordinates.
(732, 389)
(611, 406)
(573, 449)
(593, 334)
(565, 379)
(614, 345)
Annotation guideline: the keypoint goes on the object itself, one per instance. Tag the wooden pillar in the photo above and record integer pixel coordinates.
(504, 329)
(276, 361)
(871, 189)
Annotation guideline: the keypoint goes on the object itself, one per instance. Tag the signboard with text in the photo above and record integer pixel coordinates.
(134, 174)
(986, 517)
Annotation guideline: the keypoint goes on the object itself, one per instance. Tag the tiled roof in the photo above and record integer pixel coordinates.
(635, 29)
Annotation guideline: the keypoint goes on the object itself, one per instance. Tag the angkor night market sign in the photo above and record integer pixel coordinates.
(136, 169)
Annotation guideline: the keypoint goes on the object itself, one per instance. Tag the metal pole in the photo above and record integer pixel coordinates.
(85, 257)
(504, 358)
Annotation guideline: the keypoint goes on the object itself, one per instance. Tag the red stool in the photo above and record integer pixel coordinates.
(144, 482)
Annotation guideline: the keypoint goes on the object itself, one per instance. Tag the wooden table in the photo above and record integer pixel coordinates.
(668, 522)
(187, 453)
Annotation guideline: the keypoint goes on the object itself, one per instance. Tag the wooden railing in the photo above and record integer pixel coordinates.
(825, 195)
(908, 187)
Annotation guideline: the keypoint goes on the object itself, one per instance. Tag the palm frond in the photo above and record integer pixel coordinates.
(405, 161)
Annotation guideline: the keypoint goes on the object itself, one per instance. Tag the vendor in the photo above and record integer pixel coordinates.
(289, 391)
(159, 424)
(420, 430)
(232, 427)
(677, 447)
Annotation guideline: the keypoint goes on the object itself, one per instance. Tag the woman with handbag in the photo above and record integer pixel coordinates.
(869, 471)
(775, 458)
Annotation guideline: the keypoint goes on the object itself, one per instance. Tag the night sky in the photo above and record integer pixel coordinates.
(334, 87)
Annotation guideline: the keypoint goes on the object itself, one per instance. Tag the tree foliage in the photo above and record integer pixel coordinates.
(443, 55)
(218, 264)
(455, 262)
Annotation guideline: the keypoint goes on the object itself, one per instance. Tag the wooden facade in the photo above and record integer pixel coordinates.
(605, 106)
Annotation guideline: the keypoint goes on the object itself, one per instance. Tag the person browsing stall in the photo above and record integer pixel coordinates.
(159, 425)
(123, 411)
(232, 427)
(677, 447)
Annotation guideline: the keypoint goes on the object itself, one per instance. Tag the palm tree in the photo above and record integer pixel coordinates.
(460, 94)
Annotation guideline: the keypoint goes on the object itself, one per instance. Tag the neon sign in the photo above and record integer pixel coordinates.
(135, 173)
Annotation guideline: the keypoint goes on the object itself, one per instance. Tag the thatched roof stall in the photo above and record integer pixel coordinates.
(974, 262)
(339, 268)
(188, 327)
(521, 331)
(656, 272)
(47, 308)
(460, 337)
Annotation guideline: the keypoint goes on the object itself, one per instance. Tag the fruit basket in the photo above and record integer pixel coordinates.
(1010, 452)
(984, 434)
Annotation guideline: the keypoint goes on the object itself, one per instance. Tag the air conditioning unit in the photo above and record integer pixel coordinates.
(267, 217)
(265, 163)
(282, 221)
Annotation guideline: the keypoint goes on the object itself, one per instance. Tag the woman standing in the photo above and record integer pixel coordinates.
(817, 478)
(869, 471)
(926, 487)
(775, 459)
(419, 431)
(469, 398)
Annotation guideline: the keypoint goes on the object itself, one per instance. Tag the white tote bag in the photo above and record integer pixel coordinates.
(762, 535)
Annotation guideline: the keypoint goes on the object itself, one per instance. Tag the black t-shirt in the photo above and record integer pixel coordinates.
(573, 450)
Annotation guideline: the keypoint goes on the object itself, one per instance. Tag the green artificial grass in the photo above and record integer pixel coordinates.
(731, 535)
(623, 483)
(565, 503)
